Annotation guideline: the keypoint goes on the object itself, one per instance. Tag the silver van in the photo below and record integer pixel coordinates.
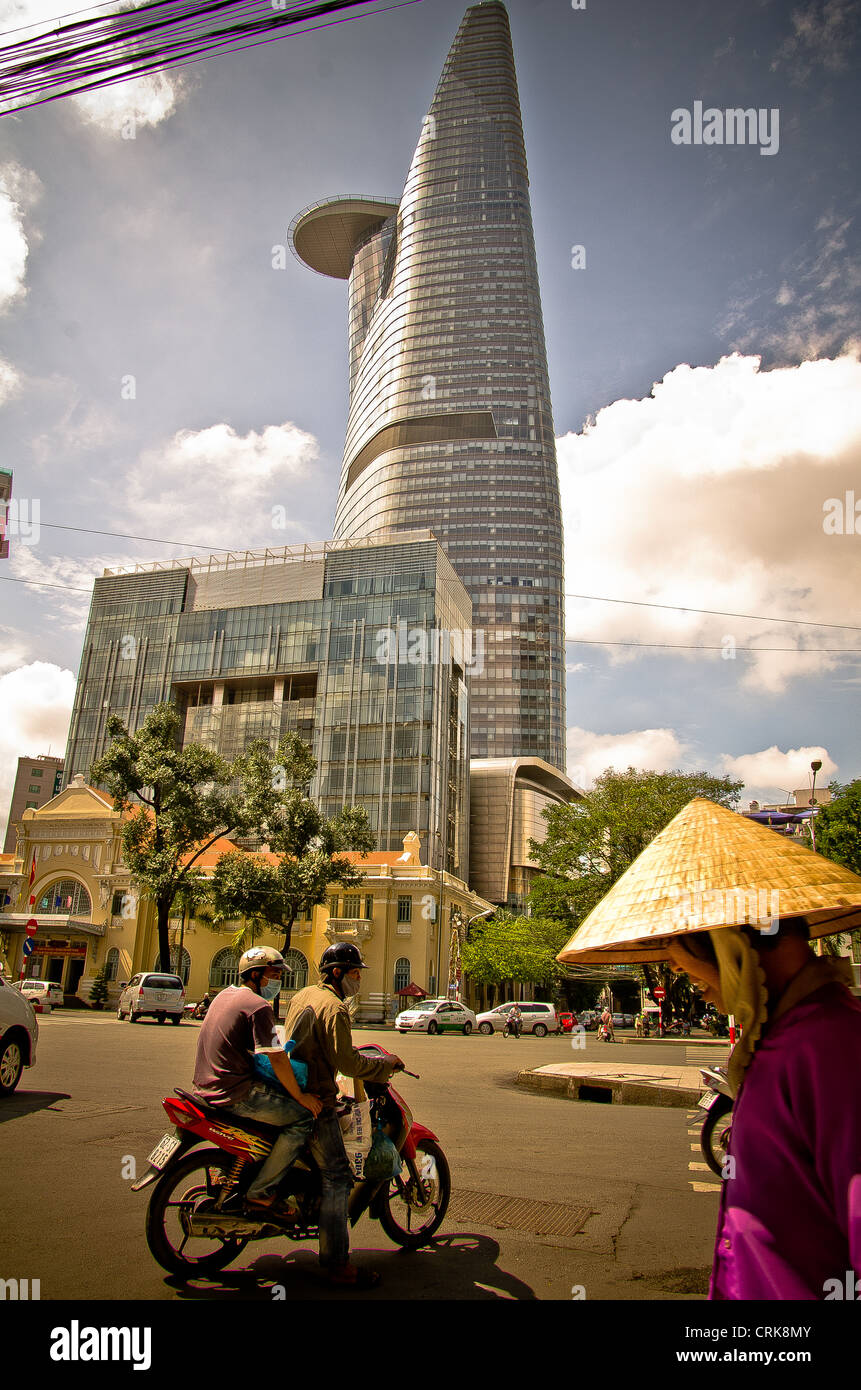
(537, 1018)
(152, 994)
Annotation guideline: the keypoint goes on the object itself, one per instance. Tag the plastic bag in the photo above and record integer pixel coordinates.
(383, 1161)
(354, 1118)
(265, 1071)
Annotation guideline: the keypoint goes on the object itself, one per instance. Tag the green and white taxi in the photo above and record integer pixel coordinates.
(436, 1016)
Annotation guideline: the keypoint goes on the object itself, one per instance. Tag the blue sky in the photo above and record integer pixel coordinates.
(162, 376)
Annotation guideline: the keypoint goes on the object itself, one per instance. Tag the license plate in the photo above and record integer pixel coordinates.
(160, 998)
(164, 1151)
(707, 1101)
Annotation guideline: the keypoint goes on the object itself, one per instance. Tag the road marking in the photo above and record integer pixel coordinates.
(695, 1148)
(699, 1167)
(704, 1186)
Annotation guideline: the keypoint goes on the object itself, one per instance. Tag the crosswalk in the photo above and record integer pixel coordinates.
(698, 1164)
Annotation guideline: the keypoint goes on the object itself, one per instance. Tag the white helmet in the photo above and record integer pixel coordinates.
(260, 958)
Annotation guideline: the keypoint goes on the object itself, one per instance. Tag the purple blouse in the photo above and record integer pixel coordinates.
(788, 1220)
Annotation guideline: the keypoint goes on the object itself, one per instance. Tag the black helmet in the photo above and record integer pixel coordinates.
(343, 954)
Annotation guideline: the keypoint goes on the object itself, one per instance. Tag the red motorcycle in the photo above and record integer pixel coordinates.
(196, 1221)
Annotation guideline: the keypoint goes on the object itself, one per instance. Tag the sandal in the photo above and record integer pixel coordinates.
(349, 1276)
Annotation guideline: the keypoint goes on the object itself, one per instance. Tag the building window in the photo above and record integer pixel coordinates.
(36, 772)
(333, 907)
(32, 806)
(402, 974)
(184, 972)
(112, 964)
(405, 909)
(296, 970)
(352, 905)
(224, 969)
(66, 895)
(34, 789)
(369, 907)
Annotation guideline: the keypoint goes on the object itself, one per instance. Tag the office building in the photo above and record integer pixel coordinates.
(36, 781)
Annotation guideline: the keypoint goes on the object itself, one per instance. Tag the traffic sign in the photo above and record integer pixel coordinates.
(31, 927)
(28, 946)
(659, 993)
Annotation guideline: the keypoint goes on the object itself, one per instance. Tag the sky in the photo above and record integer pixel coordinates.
(168, 372)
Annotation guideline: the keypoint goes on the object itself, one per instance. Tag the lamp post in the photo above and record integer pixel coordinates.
(814, 768)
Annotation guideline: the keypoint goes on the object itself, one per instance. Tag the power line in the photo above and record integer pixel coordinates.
(713, 612)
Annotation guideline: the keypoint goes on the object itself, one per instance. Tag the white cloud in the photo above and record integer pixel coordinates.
(770, 774)
(10, 381)
(710, 492)
(19, 190)
(214, 486)
(119, 108)
(654, 750)
(35, 709)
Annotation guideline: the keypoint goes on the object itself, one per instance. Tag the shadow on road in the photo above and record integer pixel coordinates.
(27, 1102)
(457, 1266)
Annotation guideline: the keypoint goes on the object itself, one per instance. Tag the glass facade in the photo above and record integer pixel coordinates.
(450, 422)
(361, 672)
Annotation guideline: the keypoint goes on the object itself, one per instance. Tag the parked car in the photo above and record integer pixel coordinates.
(42, 991)
(537, 1018)
(152, 994)
(623, 1020)
(436, 1016)
(19, 1033)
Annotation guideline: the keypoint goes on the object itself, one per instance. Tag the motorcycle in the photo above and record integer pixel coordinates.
(196, 1222)
(717, 1101)
(604, 1033)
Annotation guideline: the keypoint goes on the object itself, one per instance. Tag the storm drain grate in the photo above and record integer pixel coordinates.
(517, 1213)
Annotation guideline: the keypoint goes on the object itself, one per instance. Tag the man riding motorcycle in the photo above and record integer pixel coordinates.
(319, 1020)
(239, 1020)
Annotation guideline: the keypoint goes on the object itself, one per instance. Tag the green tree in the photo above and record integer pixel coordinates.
(838, 837)
(99, 988)
(178, 802)
(590, 843)
(508, 947)
(307, 844)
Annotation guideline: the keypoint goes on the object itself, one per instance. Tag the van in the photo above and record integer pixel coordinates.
(537, 1018)
(152, 994)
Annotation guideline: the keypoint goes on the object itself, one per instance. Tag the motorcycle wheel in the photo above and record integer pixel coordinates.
(714, 1135)
(190, 1185)
(409, 1224)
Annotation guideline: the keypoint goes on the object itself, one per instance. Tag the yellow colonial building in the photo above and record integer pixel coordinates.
(83, 913)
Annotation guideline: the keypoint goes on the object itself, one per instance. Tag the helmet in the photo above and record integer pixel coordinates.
(344, 954)
(260, 958)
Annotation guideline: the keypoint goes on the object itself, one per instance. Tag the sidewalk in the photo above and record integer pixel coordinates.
(617, 1083)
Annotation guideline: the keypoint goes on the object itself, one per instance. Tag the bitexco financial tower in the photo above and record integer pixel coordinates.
(450, 425)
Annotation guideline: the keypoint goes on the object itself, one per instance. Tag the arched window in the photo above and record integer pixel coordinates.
(66, 896)
(112, 965)
(224, 969)
(296, 972)
(402, 974)
(186, 963)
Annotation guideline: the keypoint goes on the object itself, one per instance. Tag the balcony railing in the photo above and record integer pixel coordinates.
(349, 929)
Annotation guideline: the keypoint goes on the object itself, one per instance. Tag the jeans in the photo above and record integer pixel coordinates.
(271, 1108)
(329, 1153)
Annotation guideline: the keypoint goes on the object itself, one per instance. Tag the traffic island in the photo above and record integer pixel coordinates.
(617, 1084)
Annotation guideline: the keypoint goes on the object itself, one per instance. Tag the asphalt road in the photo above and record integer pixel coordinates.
(68, 1216)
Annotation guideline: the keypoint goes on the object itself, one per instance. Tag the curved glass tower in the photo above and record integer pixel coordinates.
(450, 424)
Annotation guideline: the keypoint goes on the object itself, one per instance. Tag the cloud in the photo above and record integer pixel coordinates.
(35, 709)
(69, 579)
(19, 190)
(11, 382)
(822, 34)
(711, 493)
(770, 774)
(119, 108)
(214, 486)
(655, 750)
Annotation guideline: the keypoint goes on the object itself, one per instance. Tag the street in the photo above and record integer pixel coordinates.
(644, 1218)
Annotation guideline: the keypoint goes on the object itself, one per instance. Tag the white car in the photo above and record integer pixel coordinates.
(436, 1016)
(535, 1017)
(19, 1033)
(152, 994)
(43, 992)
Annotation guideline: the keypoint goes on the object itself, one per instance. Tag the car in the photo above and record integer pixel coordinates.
(152, 994)
(43, 992)
(436, 1016)
(536, 1017)
(623, 1020)
(19, 1033)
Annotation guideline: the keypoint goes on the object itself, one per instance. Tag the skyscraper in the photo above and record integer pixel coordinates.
(450, 424)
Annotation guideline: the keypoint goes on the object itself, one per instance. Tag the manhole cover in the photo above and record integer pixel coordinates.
(517, 1213)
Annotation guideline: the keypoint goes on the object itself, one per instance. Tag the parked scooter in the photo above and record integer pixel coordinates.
(717, 1103)
(196, 1221)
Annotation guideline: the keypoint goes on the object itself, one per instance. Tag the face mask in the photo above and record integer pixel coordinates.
(350, 987)
(271, 989)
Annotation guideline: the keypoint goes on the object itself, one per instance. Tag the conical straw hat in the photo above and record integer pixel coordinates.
(708, 868)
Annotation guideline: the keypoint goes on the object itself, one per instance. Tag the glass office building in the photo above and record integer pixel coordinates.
(355, 645)
(450, 423)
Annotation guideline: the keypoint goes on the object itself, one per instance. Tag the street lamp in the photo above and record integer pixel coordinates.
(814, 768)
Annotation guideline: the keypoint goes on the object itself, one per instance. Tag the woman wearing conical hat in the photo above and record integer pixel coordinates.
(734, 906)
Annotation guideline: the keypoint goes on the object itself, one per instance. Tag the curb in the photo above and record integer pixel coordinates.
(678, 1042)
(608, 1090)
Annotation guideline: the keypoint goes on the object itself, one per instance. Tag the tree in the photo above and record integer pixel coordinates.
(838, 837)
(508, 947)
(99, 988)
(590, 843)
(307, 844)
(178, 802)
